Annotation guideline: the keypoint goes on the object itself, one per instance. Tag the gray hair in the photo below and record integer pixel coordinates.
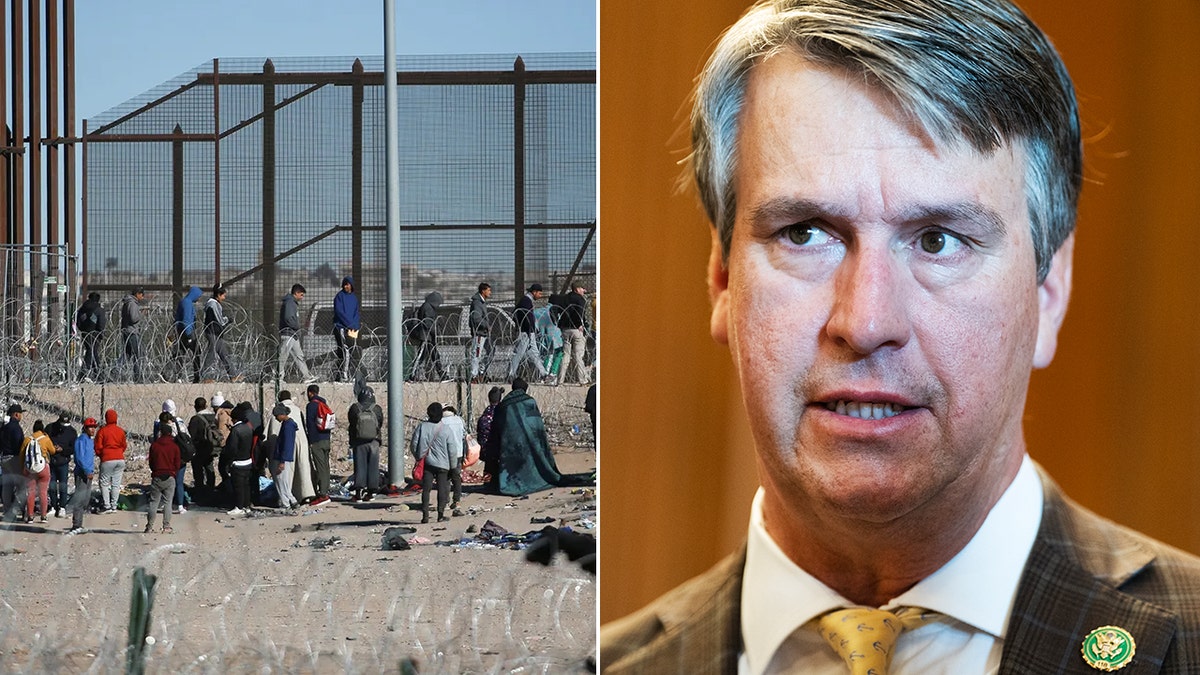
(974, 71)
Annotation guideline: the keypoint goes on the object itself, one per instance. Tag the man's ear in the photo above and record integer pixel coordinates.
(718, 291)
(1053, 295)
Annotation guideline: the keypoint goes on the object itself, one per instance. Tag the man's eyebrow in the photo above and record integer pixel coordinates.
(795, 209)
(971, 212)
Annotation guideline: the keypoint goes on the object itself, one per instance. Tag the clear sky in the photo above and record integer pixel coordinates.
(125, 47)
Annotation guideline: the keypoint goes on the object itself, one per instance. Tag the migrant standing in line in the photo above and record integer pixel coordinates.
(165, 462)
(63, 436)
(110, 448)
(85, 469)
(366, 421)
(283, 455)
(431, 442)
(37, 478)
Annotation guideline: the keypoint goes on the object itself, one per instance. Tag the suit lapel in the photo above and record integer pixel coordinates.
(1070, 587)
(700, 631)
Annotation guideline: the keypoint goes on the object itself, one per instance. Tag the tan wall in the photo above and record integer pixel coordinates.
(1116, 419)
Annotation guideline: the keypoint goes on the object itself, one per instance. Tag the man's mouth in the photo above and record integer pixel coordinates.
(865, 410)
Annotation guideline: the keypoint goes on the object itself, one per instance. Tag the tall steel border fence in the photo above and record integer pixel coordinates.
(258, 174)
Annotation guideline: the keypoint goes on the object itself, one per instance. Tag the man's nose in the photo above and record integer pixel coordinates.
(870, 302)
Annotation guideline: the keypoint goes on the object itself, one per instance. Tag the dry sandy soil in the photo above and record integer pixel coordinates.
(313, 592)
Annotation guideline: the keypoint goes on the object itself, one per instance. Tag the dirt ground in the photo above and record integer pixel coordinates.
(314, 592)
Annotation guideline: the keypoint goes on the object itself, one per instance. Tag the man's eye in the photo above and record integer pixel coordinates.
(939, 243)
(806, 235)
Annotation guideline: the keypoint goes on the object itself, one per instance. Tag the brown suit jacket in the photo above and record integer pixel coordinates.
(1083, 572)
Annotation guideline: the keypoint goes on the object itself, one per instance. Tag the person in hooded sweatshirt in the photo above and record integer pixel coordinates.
(366, 424)
(91, 320)
(215, 326)
(428, 360)
(289, 334)
(110, 450)
(131, 330)
(185, 331)
(346, 324)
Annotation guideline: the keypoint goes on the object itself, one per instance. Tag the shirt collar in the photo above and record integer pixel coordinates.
(977, 586)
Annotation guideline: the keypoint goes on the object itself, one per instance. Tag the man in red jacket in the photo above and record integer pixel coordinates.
(165, 462)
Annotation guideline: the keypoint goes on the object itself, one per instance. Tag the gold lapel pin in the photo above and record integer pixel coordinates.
(1108, 648)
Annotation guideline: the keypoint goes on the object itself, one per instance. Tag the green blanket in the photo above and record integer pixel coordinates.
(518, 453)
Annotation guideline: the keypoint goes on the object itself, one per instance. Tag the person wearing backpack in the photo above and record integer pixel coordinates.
(12, 480)
(63, 436)
(37, 450)
(202, 427)
(91, 320)
(366, 421)
(318, 442)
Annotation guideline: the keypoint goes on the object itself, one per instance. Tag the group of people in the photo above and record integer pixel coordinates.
(92, 319)
(512, 443)
(292, 447)
(550, 340)
(35, 468)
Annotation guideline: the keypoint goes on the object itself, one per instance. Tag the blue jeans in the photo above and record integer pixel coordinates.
(180, 495)
(59, 473)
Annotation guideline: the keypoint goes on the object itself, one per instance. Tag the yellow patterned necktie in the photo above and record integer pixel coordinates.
(865, 637)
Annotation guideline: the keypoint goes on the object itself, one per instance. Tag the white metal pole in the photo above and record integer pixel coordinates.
(396, 442)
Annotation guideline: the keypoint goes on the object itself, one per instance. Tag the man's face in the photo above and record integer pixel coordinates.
(139, 296)
(537, 295)
(221, 297)
(298, 295)
(880, 302)
(90, 431)
(486, 293)
(348, 288)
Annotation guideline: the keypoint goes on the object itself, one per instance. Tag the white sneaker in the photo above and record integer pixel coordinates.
(180, 510)
(60, 513)
(235, 511)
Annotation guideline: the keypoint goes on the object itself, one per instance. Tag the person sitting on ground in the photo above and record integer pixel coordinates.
(431, 442)
(520, 450)
(483, 430)
(37, 484)
(165, 462)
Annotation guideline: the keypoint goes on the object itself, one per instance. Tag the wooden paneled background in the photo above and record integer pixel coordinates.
(1116, 418)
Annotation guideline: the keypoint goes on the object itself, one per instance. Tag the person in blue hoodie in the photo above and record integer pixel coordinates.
(346, 324)
(185, 332)
(85, 470)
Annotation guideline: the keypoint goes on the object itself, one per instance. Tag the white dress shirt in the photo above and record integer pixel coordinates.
(975, 591)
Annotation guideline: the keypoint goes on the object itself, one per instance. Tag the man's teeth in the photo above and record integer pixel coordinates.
(865, 410)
